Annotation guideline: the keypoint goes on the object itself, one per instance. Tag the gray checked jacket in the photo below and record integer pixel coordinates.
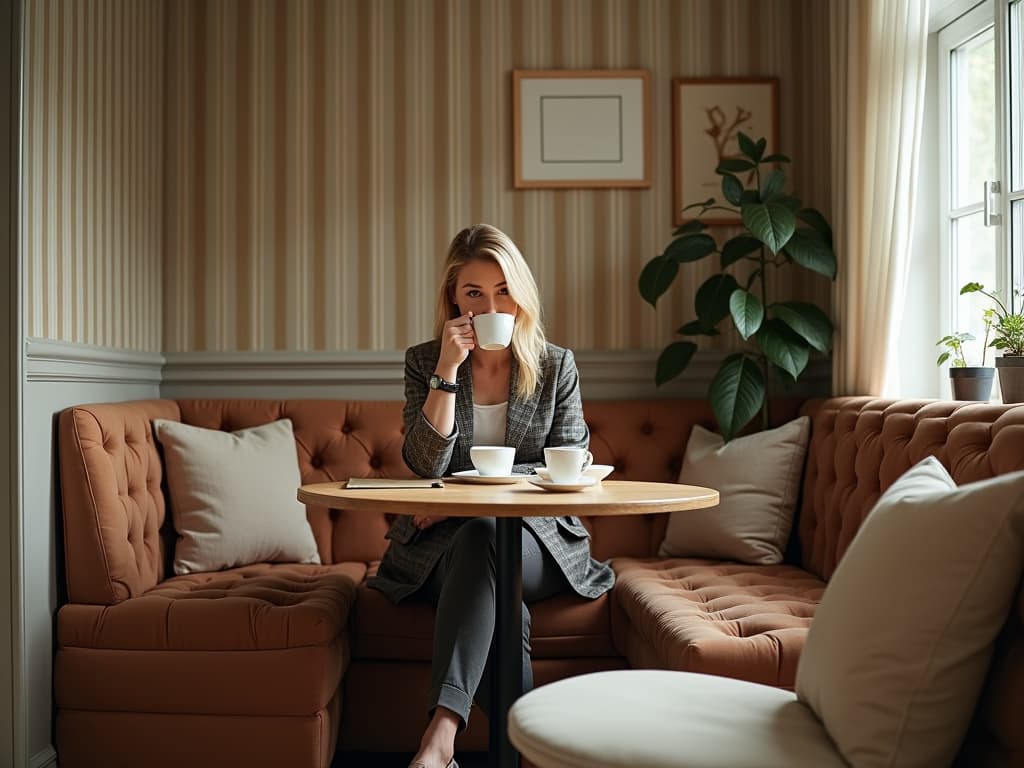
(552, 416)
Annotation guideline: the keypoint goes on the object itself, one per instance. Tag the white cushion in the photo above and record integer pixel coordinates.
(758, 481)
(901, 642)
(655, 718)
(233, 496)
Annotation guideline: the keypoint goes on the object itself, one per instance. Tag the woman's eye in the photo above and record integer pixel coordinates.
(473, 294)
(503, 291)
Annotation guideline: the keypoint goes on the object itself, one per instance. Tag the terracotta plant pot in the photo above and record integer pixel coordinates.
(1011, 377)
(971, 383)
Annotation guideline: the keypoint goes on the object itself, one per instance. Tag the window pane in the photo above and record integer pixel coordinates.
(974, 259)
(974, 107)
(1016, 96)
(1017, 246)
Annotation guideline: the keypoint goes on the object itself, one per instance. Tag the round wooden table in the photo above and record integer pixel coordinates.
(509, 504)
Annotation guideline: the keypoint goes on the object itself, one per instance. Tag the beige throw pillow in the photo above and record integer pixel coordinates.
(758, 481)
(901, 642)
(233, 496)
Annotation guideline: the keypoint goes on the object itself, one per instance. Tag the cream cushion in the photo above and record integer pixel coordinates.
(900, 644)
(233, 496)
(654, 718)
(758, 480)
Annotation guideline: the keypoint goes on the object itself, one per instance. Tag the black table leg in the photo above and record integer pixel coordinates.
(508, 638)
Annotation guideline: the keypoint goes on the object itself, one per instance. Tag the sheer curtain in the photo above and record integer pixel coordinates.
(878, 72)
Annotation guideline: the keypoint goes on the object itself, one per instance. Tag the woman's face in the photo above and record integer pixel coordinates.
(480, 288)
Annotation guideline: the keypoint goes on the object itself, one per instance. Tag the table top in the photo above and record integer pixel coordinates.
(521, 499)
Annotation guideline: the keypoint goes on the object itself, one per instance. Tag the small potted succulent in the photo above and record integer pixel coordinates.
(1008, 338)
(968, 382)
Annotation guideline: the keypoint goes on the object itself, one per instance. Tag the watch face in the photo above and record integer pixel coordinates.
(434, 382)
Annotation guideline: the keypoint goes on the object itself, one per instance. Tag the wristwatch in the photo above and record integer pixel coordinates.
(436, 382)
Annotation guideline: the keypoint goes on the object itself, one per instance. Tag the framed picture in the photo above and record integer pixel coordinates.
(707, 115)
(581, 128)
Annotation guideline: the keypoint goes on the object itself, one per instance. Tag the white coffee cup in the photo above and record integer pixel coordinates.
(566, 464)
(493, 460)
(493, 329)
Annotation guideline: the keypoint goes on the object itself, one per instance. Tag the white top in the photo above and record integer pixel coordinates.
(489, 423)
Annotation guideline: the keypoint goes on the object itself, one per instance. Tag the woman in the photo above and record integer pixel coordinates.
(526, 395)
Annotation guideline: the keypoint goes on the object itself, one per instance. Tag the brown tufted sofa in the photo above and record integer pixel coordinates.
(274, 665)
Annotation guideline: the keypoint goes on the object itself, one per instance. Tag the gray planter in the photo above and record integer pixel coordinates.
(1011, 378)
(971, 383)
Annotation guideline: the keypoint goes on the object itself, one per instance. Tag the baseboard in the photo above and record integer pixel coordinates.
(46, 758)
(378, 375)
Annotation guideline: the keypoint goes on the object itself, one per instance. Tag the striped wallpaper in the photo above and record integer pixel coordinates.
(320, 154)
(93, 156)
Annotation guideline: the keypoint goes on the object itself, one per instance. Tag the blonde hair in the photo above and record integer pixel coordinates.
(484, 242)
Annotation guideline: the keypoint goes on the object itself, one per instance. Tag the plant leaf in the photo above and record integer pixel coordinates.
(776, 158)
(783, 347)
(817, 222)
(712, 299)
(696, 328)
(747, 146)
(737, 248)
(772, 223)
(808, 250)
(942, 358)
(749, 196)
(772, 185)
(736, 393)
(761, 144)
(747, 312)
(808, 321)
(689, 248)
(732, 188)
(656, 278)
(673, 360)
(734, 164)
(690, 227)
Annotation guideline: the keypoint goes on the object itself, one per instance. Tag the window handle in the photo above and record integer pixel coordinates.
(989, 218)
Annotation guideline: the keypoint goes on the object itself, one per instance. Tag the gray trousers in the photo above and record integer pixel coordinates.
(462, 587)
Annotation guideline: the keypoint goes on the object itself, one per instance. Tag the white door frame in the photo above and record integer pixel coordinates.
(12, 716)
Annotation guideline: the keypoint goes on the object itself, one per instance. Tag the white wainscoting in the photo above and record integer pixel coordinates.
(604, 375)
(57, 375)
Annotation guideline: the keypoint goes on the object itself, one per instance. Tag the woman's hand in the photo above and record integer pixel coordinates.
(425, 521)
(457, 339)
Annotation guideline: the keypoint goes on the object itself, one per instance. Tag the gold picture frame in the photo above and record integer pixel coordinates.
(707, 114)
(588, 128)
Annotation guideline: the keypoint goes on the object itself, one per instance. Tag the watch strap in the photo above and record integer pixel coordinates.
(436, 382)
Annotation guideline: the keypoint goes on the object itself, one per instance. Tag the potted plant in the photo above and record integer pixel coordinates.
(967, 382)
(777, 230)
(1008, 338)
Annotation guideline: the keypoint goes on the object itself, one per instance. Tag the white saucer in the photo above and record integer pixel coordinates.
(596, 471)
(581, 484)
(474, 476)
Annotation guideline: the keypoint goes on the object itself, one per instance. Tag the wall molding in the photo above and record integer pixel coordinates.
(378, 375)
(48, 360)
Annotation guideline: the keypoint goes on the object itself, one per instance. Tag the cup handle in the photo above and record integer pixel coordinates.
(587, 462)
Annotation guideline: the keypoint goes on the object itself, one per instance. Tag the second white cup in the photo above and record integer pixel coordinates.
(493, 460)
(494, 329)
(566, 464)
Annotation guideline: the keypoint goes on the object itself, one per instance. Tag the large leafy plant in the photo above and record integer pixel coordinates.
(777, 231)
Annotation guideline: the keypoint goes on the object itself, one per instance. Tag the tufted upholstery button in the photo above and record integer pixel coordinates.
(317, 462)
(345, 429)
(676, 465)
(647, 428)
(375, 462)
(620, 467)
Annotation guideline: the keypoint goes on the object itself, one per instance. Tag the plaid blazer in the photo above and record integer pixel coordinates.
(552, 416)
